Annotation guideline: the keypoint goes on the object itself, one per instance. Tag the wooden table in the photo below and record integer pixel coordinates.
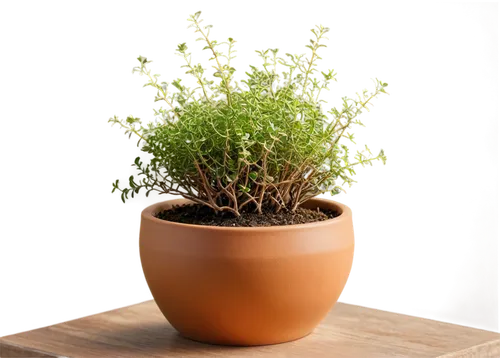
(140, 331)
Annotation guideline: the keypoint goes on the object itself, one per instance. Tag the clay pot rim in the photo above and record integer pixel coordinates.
(346, 213)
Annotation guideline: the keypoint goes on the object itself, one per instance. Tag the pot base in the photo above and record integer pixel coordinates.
(235, 343)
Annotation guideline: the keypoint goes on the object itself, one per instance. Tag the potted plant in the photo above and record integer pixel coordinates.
(248, 255)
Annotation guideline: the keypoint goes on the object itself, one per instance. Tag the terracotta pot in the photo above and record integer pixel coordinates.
(246, 286)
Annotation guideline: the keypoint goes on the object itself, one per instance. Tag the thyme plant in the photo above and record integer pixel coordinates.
(262, 144)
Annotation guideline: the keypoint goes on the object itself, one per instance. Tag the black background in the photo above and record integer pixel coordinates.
(417, 217)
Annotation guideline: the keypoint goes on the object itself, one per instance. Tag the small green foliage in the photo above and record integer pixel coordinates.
(263, 143)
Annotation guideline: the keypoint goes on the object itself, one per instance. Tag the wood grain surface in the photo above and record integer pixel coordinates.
(488, 349)
(348, 332)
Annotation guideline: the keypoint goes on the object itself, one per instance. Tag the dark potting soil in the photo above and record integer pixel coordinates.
(202, 215)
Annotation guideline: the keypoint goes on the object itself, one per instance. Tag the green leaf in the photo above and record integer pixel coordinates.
(204, 49)
(131, 182)
(123, 197)
(182, 47)
(197, 14)
(244, 188)
(113, 187)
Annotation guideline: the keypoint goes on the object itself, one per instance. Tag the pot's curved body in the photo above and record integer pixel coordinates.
(246, 286)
